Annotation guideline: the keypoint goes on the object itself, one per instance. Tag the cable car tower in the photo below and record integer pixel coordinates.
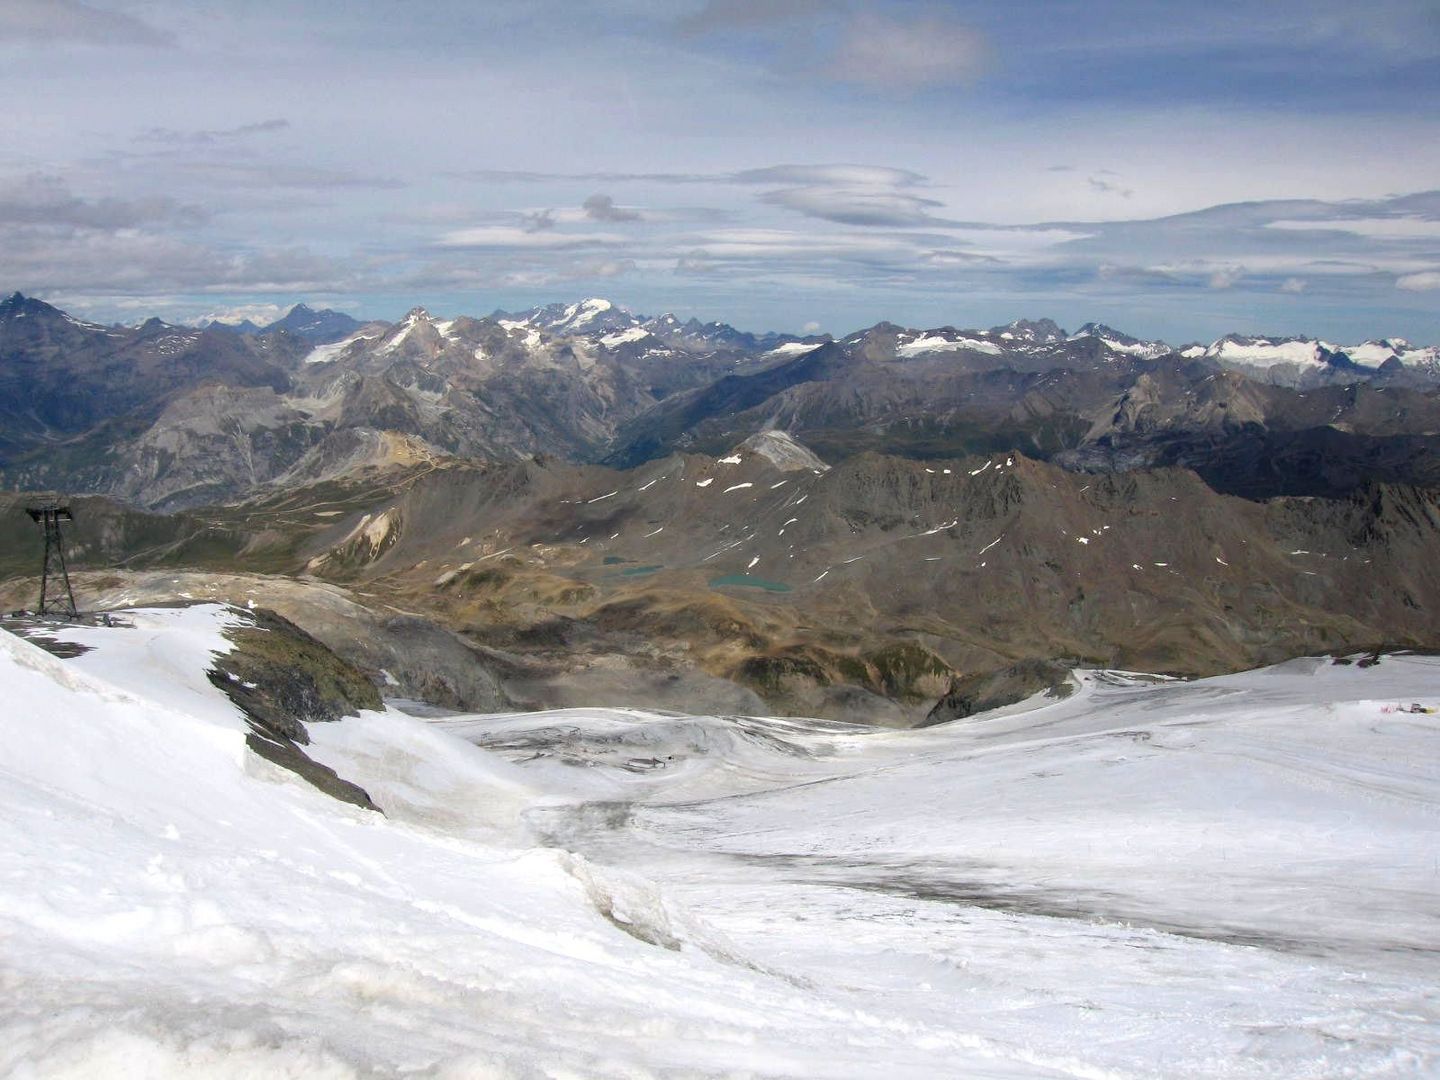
(49, 517)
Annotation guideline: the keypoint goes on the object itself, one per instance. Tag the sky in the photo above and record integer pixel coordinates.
(1177, 171)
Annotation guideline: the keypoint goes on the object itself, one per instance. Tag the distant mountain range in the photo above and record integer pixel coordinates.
(1284, 360)
(169, 416)
(316, 326)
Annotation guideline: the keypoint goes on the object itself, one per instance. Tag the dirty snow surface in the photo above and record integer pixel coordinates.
(1236, 877)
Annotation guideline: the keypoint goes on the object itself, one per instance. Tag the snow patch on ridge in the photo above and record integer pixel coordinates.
(783, 451)
(323, 354)
(935, 342)
(623, 337)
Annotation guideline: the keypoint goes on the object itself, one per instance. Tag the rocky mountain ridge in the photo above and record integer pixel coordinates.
(320, 327)
(167, 416)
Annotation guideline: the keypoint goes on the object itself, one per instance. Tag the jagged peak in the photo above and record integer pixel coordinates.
(586, 311)
(18, 303)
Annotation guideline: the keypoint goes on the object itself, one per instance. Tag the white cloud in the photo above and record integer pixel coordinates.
(1425, 281)
(856, 206)
(1387, 228)
(131, 261)
(833, 175)
(507, 236)
(259, 314)
(1295, 286)
(766, 243)
(867, 195)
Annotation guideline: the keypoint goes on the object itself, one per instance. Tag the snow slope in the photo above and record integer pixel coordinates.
(1267, 352)
(1371, 354)
(1226, 878)
(919, 343)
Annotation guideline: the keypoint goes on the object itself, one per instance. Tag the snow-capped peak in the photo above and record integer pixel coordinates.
(1030, 332)
(1121, 342)
(400, 333)
(1100, 330)
(1373, 353)
(1268, 352)
(592, 313)
(589, 309)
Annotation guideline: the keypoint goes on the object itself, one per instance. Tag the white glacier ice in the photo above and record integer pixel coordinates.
(1228, 878)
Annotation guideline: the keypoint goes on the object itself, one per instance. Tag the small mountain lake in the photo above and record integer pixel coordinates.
(748, 581)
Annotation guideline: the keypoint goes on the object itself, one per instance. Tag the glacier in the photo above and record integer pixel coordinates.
(1232, 877)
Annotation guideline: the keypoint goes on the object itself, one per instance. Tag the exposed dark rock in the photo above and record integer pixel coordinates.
(977, 693)
(281, 678)
(285, 753)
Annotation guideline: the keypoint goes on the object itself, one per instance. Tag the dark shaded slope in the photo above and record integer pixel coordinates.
(674, 423)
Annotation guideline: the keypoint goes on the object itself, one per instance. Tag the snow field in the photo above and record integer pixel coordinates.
(1227, 878)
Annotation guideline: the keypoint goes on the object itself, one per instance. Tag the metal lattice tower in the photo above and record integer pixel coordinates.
(49, 518)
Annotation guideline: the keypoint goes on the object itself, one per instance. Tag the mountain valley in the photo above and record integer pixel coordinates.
(574, 505)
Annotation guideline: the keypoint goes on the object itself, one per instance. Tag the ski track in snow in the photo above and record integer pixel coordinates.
(1227, 878)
